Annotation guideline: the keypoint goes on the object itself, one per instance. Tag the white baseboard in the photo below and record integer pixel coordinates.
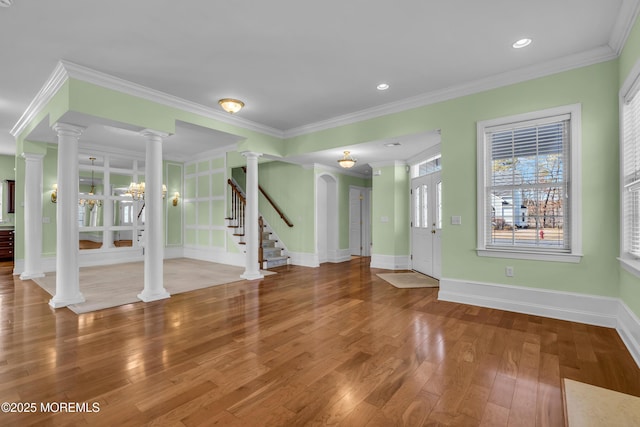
(390, 262)
(93, 258)
(212, 255)
(629, 330)
(173, 252)
(341, 255)
(303, 259)
(110, 257)
(590, 309)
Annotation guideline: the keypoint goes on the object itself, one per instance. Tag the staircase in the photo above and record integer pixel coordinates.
(270, 251)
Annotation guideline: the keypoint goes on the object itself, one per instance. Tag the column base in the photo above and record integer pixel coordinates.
(153, 296)
(29, 276)
(249, 275)
(57, 302)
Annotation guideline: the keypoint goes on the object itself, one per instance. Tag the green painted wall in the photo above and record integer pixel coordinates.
(292, 189)
(49, 177)
(390, 211)
(173, 218)
(596, 88)
(630, 284)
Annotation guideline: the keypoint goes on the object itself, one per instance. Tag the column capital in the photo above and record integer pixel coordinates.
(251, 154)
(32, 156)
(68, 129)
(153, 134)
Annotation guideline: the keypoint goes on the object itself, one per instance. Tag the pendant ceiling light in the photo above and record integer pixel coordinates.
(347, 161)
(231, 105)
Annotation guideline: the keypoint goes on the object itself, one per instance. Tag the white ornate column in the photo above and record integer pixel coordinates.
(32, 216)
(153, 236)
(67, 271)
(252, 269)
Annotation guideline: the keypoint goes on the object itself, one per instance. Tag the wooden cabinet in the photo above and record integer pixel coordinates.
(6, 244)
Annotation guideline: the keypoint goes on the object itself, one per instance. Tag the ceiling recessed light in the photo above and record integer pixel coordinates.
(522, 43)
(382, 86)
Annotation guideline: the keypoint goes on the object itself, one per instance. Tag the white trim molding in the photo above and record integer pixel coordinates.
(65, 70)
(218, 255)
(629, 330)
(390, 262)
(583, 308)
(571, 113)
(304, 259)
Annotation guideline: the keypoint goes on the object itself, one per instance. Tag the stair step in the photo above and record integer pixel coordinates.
(277, 262)
(269, 253)
(238, 234)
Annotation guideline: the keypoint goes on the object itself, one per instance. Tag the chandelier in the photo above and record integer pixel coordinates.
(91, 203)
(231, 105)
(347, 161)
(136, 191)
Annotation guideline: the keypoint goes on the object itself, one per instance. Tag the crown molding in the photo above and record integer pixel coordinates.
(583, 59)
(53, 84)
(386, 163)
(65, 70)
(627, 16)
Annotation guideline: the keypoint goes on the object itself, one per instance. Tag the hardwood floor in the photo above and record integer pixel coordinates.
(333, 345)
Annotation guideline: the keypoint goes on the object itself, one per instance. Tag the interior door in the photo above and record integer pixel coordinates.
(426, 224)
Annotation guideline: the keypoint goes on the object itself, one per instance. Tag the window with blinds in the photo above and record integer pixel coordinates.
(525, 190)
(631, 175)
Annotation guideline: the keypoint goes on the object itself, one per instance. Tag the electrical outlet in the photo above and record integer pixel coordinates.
(508, 271)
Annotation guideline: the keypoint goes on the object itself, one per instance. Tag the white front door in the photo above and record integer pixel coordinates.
(426, 224)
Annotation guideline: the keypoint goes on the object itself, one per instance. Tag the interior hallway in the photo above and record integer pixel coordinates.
(330, 344)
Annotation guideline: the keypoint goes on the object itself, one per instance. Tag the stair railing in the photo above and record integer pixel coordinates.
(272, 203)
(238, 204)
(260, 248)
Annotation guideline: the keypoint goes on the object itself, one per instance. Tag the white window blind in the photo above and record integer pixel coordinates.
(528, 181)
(631, 175)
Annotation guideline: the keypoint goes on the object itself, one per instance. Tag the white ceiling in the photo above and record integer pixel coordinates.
(300, 65)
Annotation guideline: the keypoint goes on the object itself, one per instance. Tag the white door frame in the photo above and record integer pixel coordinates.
(326, 223)
(428, 153)
(430, 228)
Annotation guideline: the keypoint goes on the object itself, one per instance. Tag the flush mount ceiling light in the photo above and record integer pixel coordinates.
(231, 105)
(522, 43)
(382, 86)
(6, 3)
(347, 161)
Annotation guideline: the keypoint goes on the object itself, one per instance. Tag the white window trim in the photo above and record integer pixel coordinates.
(630, 87)
(575, 187)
